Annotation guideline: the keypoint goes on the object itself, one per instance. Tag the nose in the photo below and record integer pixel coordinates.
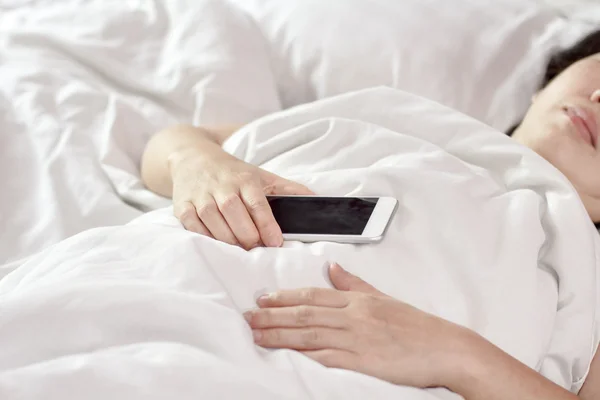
(596, 96)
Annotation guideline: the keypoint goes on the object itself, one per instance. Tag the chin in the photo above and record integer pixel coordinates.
(592, 205)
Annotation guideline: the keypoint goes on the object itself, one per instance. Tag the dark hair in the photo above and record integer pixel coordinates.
(562, 60)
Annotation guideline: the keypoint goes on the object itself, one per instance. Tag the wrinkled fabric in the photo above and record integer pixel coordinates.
(487, 234)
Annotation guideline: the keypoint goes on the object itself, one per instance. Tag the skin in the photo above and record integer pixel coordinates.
(353, 325)
(215, 194)
(548, 130)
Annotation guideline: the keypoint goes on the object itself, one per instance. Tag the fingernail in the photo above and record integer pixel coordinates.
(259, 293)
(262, 298)
(248, 316)
(326, 267)
(275, 241)
(257, 335)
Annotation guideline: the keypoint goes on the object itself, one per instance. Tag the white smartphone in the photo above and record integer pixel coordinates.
(333, 219)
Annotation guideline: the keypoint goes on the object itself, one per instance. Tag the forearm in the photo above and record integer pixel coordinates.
(489, 373)
(171, 145)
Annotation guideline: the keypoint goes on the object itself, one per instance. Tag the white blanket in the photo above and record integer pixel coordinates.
(488, 235)
(84, 83)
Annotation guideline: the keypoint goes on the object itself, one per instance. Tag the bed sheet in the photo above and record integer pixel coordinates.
(82, 86)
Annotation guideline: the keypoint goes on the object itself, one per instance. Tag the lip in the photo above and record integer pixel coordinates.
(585, 122)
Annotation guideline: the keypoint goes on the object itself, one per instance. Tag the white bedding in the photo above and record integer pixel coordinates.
(83, 84)
(488, 235)
(147, 310)
(587, 10)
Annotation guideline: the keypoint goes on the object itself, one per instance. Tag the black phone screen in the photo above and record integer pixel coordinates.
(322, 215)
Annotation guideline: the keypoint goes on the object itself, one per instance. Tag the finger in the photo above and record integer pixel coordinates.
(236, 215)
(293, 188)
(334, 358)
(302, 338)
(344, 280)
(296, 317)
(211, 217)
(186, 213)
(283, 186)
(309, 297)
(257, 205)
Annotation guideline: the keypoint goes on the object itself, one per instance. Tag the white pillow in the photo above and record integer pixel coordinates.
(83, 85)
(484, 58)
(588, 10)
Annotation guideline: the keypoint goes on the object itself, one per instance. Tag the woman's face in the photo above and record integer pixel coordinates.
(563, 126)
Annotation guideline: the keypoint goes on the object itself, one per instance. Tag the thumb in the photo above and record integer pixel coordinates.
(344, 280)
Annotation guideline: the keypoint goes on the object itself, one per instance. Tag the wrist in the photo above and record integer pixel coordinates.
(182, 158)
(179, 157)
(466, 361)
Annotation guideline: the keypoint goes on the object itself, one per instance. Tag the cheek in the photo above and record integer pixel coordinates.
(574, 160)
(548, 138)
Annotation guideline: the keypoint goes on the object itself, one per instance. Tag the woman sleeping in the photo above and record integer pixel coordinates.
(355, 326)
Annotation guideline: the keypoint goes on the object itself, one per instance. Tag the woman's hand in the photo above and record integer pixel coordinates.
(218, 195)
(359, 328)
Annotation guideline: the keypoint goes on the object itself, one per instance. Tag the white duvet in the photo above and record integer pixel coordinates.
(83, 85)
(488, 235)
